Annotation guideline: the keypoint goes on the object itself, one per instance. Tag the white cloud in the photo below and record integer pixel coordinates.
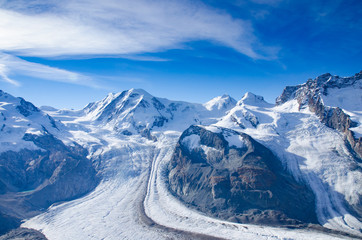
(10, 65)
(92, 27)
(4, 75)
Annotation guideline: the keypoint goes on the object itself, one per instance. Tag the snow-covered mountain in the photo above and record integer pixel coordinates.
(18, 117)
(168, 168)
(136, 111)
(37, 168)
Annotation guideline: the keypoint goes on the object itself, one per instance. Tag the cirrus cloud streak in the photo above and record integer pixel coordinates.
(89, 27)
(11, 65)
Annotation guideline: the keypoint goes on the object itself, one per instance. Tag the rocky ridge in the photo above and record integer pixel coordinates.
(311, 94)
(231, 176)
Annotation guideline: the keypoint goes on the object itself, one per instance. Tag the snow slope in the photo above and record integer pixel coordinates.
(111, 211)
(133, 168)
(350, 100)
(345, 93)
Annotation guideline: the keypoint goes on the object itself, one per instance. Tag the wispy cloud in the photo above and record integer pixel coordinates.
(11, 65)
(92, 27)
(4, 71)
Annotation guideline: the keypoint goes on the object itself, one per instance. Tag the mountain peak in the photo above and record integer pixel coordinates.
(6, 95)
(252, 99)
(328, 87)
(220, 102)
(139, 91)
(325, 76)
(133, 92)
(23, 107)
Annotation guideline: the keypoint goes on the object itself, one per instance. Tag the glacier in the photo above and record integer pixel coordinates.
(131, 136)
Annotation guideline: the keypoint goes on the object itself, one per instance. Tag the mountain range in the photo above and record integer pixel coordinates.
(135, 166)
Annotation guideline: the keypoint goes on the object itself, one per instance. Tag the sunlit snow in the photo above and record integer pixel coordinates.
(134, 186)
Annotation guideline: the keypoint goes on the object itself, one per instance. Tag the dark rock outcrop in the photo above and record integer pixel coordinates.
(32, 180)
(23, 234)
(310, 94)
(243, 183)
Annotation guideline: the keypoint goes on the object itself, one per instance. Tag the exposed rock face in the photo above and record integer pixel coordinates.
(23, 234)
(34, 179)
(311, 94)
(231, 176)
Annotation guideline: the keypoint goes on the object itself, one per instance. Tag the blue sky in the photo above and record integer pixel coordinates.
(69, 53)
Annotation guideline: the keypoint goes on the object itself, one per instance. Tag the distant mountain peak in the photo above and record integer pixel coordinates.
(252, 99)
(225, 96)
(139, 91)
(221, 102)
(48, 108)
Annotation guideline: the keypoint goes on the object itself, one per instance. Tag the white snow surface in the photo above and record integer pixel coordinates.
(133, 170)
(348, 97)
(356, 116)
(235, 140)
(191, 142)
(350, 100)
(221, 102)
